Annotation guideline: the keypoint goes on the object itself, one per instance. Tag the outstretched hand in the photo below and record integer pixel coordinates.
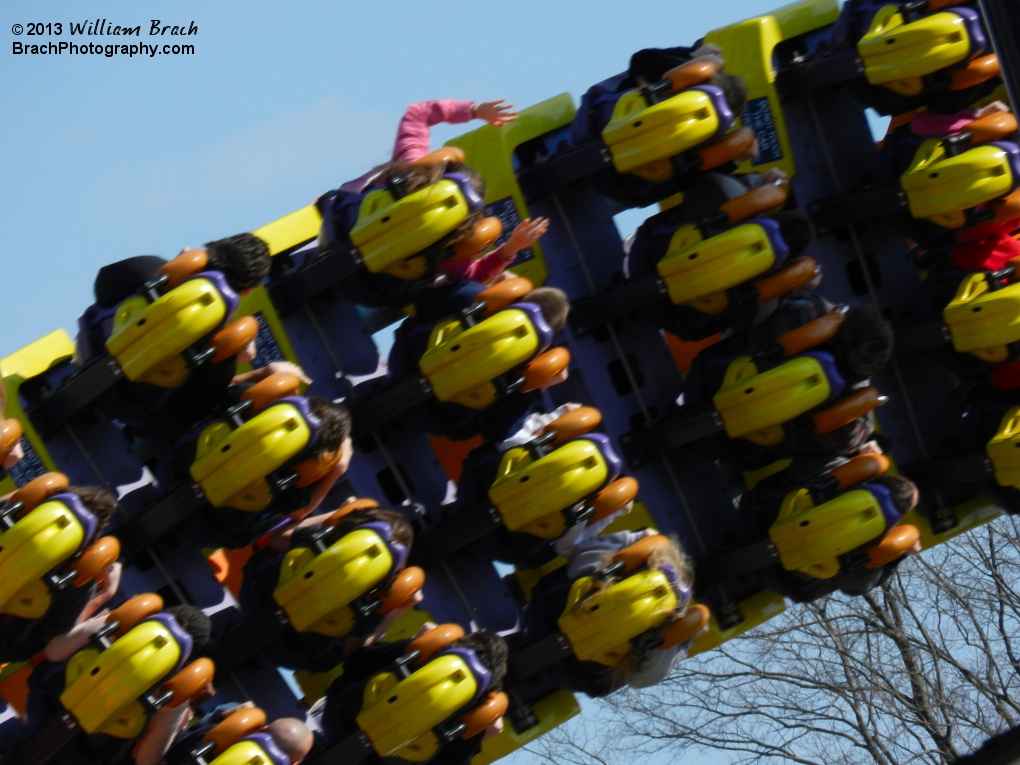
(496, 113)
(995, 107)
(524, 235)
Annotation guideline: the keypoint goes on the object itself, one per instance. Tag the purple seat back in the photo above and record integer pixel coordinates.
(975, 32)
(889, 510)
(605, 447)
(267, 745)
(1013, 153)
(397, 550)
(301, 404)
(82, 513)
(595, 110)
(542, 328)
(220, 282)
(179, 634)
(471, 196)
(775, 235)
(722, 109)
(96, 324)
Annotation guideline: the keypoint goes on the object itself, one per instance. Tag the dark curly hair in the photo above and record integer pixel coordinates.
(336, 424)
(243, 258)
(796, 230)
(195, 623)
(491, 651)
(900, 489)
(100, 502)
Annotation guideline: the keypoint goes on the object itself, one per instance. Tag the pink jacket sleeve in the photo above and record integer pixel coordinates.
(937, 125)
(413, 133)
(487, 267)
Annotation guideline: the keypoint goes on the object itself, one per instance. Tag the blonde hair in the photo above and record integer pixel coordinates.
(671, 555)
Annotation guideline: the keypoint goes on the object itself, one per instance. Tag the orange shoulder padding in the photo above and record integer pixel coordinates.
(766, 197)
(615, 496)
(690, 74)
(271, 389)
(484, 715)
(859, 469)
(38, 490)
(636, 556)
(240, 723)
(1007, 209)
(544, 368)
(573, 424)
(132, 611)
(234, 338)
(441, 156)
(102, 554)
(184, 266)
(485, 234)
(316, 468)
(847, 409)
(350, 507)
(993, 127)
(727, 148)
(893, 545)
(975, 72)
(407, 584)
(788, 278)
(435, 640)
(687, 626)
(507, 292)
(10, 436)
(190, 680)
(812, 334)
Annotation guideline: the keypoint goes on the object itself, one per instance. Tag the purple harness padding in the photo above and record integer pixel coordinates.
(219, 281)
(473, 199)
(268, 745)
(96, 325)
(828, 364)
(722, 109)
(975, 32)
(341, 208)
(1013, 153)
(889, 511)
(482, 675)
(598, 104)
(605, 447)
(397, 550)
(85, 517)
(771, 228)
(681, 590)
(179, 634)
(314, 423)
(537, 318)
(856, 16)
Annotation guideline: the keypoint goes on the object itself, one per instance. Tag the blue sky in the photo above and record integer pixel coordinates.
(104, 158)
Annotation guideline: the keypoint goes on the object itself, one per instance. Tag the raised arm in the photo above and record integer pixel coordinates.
(413, 133)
